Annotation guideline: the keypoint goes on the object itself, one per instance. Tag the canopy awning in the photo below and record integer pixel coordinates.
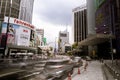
(96, 39)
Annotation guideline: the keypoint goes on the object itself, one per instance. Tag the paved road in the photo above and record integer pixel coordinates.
(93, 72)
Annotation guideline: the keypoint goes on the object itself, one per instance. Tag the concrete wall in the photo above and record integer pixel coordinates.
(91, 16)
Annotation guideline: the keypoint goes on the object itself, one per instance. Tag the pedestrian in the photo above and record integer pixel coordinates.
(86, 65)
(116, 61)
(102, 60)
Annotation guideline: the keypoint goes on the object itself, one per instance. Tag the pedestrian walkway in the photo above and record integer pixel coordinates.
(93, 72)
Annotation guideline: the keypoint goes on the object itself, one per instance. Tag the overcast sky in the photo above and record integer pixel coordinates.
(54, 16)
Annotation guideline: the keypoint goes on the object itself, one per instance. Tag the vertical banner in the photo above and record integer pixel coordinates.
(11, 35)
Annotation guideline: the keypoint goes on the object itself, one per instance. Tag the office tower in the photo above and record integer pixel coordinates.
(80, 23)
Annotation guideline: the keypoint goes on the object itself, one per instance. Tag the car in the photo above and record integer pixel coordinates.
(88, 58)
(57, 68)
(77, 61)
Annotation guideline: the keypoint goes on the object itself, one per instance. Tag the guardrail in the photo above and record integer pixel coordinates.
(115, 72)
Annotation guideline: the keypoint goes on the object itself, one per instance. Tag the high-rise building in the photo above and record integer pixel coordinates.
(80, 23)
(16, 16)
(26, 10)
(103, 18)
(20, 9)
(80, 28)
(63, 40)
(40, 33)
(107, 22)
(5, 7)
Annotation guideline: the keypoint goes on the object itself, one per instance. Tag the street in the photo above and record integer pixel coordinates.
(94, 68)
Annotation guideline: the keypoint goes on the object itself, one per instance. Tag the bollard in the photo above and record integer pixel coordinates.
(78, 71)
(118, 76)
(69, 76)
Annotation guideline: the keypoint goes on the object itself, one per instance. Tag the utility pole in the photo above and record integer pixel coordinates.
(10, 6)
(111, 9)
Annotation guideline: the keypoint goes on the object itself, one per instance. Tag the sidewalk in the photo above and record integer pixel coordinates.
(93, 72)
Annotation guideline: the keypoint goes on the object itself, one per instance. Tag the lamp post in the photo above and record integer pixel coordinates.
(111, 9)
(5, 51)
(1, 6)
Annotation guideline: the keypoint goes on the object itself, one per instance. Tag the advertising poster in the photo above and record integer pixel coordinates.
(12, 30)
(32, 38)
(11, 34)
(23, 36)
(20, 33)
(17, 35)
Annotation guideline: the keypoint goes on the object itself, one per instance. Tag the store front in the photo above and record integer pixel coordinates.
(102, 42)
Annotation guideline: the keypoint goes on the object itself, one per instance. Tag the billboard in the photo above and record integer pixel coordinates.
(18, 34)
(23, 36)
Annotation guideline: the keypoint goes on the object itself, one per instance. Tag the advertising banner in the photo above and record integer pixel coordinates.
(20, 33)
(19, 22)
(12, 30)
(23, 36)
(17, 35)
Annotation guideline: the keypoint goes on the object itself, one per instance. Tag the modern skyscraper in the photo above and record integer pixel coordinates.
(80, 27)
(107, 22)
(26, 10)
(20, 9)
(103, 28)
(80, 23)
(5, 7)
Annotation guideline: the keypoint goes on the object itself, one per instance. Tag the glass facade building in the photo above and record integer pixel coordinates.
(107, 18)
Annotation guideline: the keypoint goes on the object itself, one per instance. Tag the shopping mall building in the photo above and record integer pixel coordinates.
(17, 34)
(17, 37)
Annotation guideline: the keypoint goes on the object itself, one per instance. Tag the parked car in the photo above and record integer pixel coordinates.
(77, 61)
(57, 68)
(88, 58)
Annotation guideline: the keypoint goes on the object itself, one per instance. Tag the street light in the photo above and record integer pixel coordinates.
(111, 9)
(10, 5)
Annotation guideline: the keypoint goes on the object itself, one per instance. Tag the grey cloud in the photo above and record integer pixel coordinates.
(55, 11)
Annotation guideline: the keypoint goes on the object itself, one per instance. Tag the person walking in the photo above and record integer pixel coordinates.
(85, 65)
